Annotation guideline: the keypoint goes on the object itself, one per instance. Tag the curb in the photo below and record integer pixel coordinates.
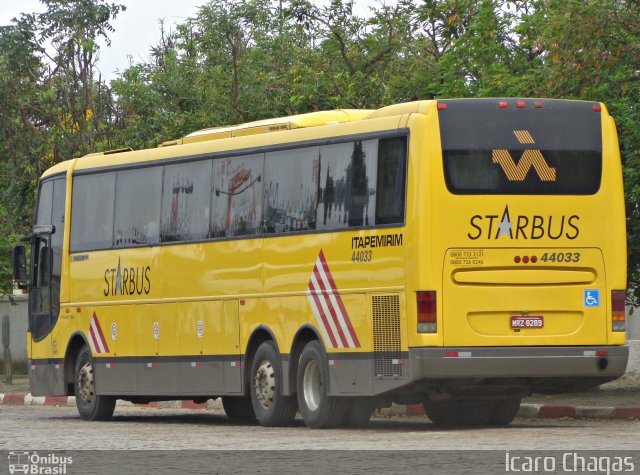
(527, 411)
(539, 411)
(26, 399)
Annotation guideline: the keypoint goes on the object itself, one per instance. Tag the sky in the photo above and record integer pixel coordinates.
(136, 30)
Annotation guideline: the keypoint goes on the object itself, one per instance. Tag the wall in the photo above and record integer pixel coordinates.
(633, 324)
(18, 327)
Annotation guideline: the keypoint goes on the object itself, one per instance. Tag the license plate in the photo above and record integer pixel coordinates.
(527, 322)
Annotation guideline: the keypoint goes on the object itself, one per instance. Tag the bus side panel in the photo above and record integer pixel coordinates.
(170, 350)
(230, 347)
(41, 369)
(335, 277)
(216, 269)
(47, 360)
(199, 346)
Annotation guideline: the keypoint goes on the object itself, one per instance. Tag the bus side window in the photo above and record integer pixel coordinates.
(186, 202)
(137, 207)
(291, 190)
(346, 189)
(92, 208)
(236, 198)
(392, 170)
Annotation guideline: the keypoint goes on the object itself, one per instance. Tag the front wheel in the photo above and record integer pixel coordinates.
(271, 407)
(318, 409)
(91, 406)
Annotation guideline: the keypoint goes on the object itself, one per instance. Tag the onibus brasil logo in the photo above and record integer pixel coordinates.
(33, 463)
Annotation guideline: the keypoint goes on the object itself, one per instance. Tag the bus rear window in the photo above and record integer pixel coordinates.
(547, 147)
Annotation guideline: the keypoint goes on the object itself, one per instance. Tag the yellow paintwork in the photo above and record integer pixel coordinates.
(312, 119)
(208, 298)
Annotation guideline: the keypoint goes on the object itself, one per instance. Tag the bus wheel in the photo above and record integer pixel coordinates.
(270, 406)
(440, 412)
(318, 410)
(504, 412)
(239, 409)
(91, 406)
(462, 413)
(358, 413)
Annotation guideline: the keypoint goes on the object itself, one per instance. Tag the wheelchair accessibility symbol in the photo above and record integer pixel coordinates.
(591, 298)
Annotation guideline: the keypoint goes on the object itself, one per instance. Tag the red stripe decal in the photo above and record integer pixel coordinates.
(94, 342)
(328, 307)
(326, 294)
(102, 338)
(321, 313)
(347, 320)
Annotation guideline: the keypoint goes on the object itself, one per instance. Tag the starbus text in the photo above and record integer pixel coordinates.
(492, 226)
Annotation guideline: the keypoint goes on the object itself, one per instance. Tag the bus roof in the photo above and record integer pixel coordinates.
(312, 119)
(256, 128)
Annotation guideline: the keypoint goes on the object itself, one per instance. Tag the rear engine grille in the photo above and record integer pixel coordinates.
(387, 340)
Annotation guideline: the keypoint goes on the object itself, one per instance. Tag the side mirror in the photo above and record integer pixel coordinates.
(19, 264)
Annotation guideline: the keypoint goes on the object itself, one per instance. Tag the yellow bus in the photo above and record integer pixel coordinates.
(459, 253)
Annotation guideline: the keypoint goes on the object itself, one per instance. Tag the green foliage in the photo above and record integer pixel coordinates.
(243, 60)
(52, 106)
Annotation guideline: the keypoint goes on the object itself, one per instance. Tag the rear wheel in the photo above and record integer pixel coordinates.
(318, 409)
(239, 409)
(91, 406)
(270, 406)
(463, 413)
(440, 412)
(504, 412)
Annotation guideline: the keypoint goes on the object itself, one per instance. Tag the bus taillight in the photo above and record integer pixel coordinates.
(618, 318)
(427, 315)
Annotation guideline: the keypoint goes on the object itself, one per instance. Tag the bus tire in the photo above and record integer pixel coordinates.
(270, 406)
(358, 413)
(318, 409)
(91, 406)
(459, 413)
(504, 412)
(239, 408)
(440, 412)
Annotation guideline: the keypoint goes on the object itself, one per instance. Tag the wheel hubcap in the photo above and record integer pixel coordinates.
(312, 385)
(85, 383)
(265, 384)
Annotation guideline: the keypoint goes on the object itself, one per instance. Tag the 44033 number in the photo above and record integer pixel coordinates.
(362, 256)
(560, 257)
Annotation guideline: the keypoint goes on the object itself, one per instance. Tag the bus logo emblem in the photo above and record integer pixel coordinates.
(529, 159)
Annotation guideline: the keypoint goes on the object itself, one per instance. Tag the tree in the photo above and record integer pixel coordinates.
(52, 105)
(243, 60)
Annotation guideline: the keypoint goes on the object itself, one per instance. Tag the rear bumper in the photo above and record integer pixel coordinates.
(518, 362)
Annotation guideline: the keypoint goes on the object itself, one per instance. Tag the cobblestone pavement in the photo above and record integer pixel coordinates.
(59, 428)
(168, 441)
